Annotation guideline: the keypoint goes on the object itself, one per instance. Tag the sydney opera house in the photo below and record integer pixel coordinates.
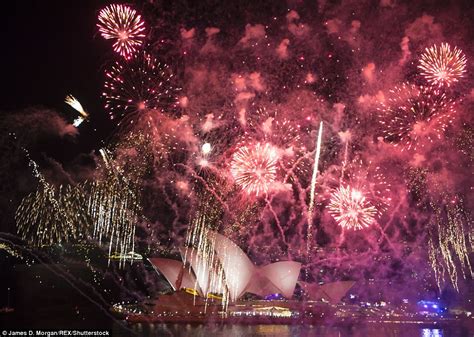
(238, 275)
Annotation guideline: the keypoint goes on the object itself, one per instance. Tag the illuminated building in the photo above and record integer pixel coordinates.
(241, 275)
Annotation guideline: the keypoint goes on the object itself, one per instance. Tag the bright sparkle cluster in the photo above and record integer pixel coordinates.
(134, 87)
(254, 167)
(350, 208)
(51, 215)
(368, 178)
(76, 105)
(449, 223)
(124, 25)
(414, 114)
(442, 66)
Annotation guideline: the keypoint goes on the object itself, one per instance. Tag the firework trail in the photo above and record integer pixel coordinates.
(200, 248)
(254, 167)
(76, 105)
(124, 25)
(133, 88)
(52, 215)
(313, 188)
(115, 209)
(345, 138)
(442, 66)
(350, 208)
(449, 256)
(414, 114)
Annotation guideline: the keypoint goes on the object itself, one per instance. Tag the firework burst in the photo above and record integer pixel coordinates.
(254, 167)
(135, 87)
(442, 66)
(209, 149)
(414, 114)
(272, 127)
(350, 208)
(268, 126)
(124, 25)
(368, 178)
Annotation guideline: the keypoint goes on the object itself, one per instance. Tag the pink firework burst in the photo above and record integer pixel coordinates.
(414, 114)
(350, 208)
(442, 66)
(254, 167)
(365, 176)
(124, 25)
(271, 126)
(134, 87)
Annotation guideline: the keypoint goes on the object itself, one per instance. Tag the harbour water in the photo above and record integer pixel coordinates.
(235, 330)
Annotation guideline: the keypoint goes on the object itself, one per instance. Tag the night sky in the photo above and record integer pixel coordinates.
(54, 50)
(241, 70)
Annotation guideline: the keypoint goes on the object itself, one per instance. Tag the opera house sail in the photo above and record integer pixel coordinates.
(232, 272)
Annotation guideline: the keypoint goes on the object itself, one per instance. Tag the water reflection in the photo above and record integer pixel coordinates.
(228, 330)
(432, 333)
